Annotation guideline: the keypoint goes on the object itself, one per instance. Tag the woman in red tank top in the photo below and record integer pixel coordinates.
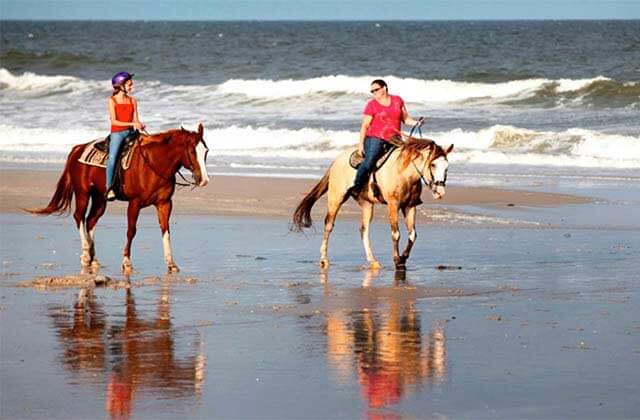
(123, 114)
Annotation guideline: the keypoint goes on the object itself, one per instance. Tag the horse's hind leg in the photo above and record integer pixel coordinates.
(82, 201)
(395, 234)
(164, 213)
(367, 215)
(333, 206)
(98, 207)
(410, 222)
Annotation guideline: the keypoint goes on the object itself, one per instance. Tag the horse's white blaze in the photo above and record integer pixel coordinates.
(166, 246)
(200, 153)
(440, 170)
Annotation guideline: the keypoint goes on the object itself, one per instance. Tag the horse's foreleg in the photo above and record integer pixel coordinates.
(133, 211)
(164, 213)
(367, 215)
(333, 205)
(395, 233)
(98, 207)
(82, 201)
(410, 222)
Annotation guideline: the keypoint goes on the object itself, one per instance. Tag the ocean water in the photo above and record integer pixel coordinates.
(525, 103)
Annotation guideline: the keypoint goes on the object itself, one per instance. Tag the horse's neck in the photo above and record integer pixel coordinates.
(399, 173)
(164, 157)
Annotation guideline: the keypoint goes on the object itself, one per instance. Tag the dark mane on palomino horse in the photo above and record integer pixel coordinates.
(150, 179)
(398, 184)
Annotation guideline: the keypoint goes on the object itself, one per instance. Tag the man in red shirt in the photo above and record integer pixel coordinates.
(382, 118)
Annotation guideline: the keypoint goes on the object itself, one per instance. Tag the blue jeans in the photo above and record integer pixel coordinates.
(115, 141)
(374, 148)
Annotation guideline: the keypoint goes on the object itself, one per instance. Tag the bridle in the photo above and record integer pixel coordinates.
(187, 182)
(431, 183)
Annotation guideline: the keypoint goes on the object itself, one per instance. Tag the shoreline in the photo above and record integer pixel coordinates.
(265, 197)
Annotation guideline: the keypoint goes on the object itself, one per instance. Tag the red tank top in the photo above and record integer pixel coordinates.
(124, 113)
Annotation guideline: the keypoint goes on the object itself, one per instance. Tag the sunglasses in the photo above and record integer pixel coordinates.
(375, 90)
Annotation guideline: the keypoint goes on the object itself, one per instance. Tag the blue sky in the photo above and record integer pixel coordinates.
(318, 9)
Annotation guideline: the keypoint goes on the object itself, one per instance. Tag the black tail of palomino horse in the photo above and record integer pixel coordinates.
(302, 214)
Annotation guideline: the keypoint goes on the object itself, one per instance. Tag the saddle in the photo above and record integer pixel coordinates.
(356, 159)
(96, 153)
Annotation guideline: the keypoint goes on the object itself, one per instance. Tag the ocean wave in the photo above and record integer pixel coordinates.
(498, 144)
(31, 84)
(599, 91)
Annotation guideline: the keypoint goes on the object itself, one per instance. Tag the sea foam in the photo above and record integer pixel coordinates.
(498, 144)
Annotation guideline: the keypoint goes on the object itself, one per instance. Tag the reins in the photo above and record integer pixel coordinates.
(418, 126)
(180, 184)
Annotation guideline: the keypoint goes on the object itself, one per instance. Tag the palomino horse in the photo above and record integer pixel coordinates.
(150, 179)
(398, 185)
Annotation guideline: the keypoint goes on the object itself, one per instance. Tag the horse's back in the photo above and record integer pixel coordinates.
(342, 174)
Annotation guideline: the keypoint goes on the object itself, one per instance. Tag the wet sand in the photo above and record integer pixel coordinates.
(490, 320)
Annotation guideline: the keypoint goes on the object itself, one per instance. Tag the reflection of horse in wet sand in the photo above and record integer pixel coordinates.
(136, 355)
(387, 346)
(149, 180)
(398, 184)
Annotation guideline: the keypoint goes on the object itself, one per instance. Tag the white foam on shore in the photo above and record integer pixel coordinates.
(495, 145)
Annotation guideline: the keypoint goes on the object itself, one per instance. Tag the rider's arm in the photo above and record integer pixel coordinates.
(406, 118)
(366, 122)
(136, 120)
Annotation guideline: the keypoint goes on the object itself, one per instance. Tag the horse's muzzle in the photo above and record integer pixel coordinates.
(438, 192)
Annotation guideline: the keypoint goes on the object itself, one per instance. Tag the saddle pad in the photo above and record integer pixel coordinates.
(94, 155)
(355, 159)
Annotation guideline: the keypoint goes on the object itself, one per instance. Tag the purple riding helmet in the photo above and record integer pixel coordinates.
(120, 78)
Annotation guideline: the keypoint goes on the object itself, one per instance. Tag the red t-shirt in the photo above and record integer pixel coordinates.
(386, 119)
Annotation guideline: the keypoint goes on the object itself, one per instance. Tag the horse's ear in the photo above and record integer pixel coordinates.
(200, 130)
(448, 149)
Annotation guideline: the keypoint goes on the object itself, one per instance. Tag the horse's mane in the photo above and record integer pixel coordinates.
(165, 136)
(413, 148)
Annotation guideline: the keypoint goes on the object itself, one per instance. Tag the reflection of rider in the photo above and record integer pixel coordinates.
(123, 114)
(390, 351)
(381, 121)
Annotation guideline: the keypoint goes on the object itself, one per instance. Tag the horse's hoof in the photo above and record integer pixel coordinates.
(375, 265)
(172, 268)
(127, 269)
(324, 263)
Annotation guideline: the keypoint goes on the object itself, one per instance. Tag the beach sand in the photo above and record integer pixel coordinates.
(495, 317)
(253, 196)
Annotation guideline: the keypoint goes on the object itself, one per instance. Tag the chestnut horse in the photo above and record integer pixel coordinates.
(149, 180)
(399, 185)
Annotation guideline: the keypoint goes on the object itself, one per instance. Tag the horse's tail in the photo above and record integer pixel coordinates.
(302, 214)
(61, 200)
